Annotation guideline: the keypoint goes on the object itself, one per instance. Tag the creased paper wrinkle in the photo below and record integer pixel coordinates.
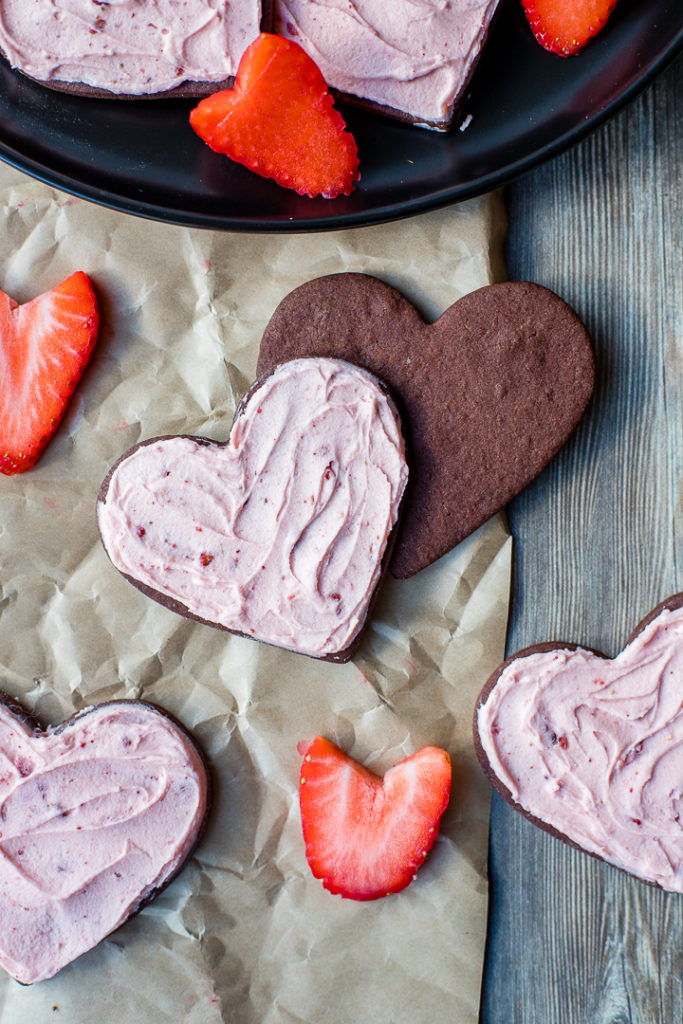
(246, 935)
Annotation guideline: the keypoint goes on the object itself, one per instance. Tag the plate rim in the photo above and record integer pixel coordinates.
(361, 218)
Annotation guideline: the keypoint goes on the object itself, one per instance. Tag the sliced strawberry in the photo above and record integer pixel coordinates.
(366, 836)
(564, 27)
(279, 120)
(44, 348)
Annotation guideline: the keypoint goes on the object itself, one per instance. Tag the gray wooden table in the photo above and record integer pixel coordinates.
(599, 541)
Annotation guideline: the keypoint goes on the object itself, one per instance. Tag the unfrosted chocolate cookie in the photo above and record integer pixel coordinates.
(489, 392)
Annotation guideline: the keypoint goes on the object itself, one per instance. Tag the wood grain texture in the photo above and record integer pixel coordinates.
(598, 542)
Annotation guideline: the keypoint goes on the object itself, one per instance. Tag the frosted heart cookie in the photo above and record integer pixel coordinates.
(281, 533)
(96, 816)
(591, 749)
(409, 60)
(131, 47)
(489, 392)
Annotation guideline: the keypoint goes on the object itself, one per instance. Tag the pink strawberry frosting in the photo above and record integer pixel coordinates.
(279, 534)
(94, 817)
(128, 46)
(594, 747)
(414, 56)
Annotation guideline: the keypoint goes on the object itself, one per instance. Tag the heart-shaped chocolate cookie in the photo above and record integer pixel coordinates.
(281, 533)
(591, 749)
(489, 392)
(96, 816)
(130, 48)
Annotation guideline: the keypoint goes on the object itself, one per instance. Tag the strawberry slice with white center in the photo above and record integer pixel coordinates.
(565, 28)
(280, 121)
(44, 349)
(366, 836)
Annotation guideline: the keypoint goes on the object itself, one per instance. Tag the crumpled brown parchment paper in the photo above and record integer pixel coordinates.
(245, 934)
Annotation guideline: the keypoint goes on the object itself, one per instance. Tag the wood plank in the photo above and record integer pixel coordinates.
(599, 541)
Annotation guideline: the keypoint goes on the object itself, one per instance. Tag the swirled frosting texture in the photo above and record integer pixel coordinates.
(94, 817)
(414, 56)
(279, 534)
(134, 47)
(594, 747)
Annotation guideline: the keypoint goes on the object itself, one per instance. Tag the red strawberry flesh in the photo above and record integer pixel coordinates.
(44, 349)
(279, 120)
(366, 836)
(564, 28)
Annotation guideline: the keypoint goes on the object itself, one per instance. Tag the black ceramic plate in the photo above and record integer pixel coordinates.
(525, 105)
